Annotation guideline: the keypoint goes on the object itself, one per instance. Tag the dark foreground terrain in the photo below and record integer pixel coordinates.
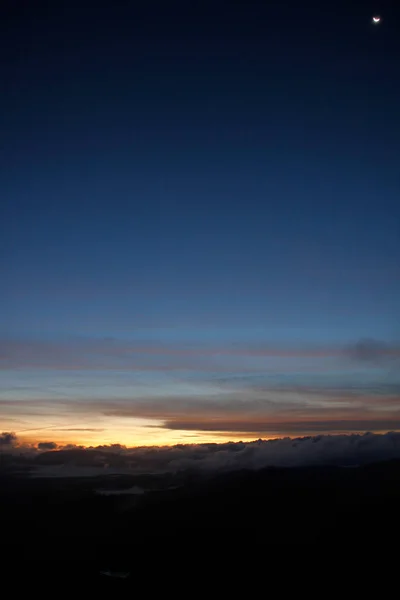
(69, 528)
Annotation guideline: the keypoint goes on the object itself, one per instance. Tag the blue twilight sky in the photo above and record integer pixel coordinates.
(192, 193)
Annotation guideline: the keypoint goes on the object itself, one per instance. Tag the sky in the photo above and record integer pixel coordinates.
(199, 220)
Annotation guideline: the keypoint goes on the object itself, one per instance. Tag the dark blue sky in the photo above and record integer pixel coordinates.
(211, 171)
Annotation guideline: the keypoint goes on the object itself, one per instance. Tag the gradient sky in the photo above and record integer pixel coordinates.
(199, 220)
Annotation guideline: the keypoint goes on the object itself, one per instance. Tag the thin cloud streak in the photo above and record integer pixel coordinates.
(100, 354)
(287, 427)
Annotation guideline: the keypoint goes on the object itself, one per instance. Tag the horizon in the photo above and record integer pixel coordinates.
(25, 444)
(47, 460)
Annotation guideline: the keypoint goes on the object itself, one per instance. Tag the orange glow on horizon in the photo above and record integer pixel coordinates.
(207, 422)
(166, 438)
(171, 438)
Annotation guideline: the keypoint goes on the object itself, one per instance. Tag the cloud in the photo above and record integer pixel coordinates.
(7, 438)
(78, 429)
(287, 410)
(372, 351)
(80, 354)
(286, 452)
(270, 427)
(339, 450)
(47, 446)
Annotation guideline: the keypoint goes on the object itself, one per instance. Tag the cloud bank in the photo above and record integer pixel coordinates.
(335, 450)
(82, 353)
(47, 446)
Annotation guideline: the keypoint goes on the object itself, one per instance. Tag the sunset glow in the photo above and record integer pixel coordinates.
(72, 392)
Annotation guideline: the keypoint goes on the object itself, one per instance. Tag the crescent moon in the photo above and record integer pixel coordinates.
(376, 19)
